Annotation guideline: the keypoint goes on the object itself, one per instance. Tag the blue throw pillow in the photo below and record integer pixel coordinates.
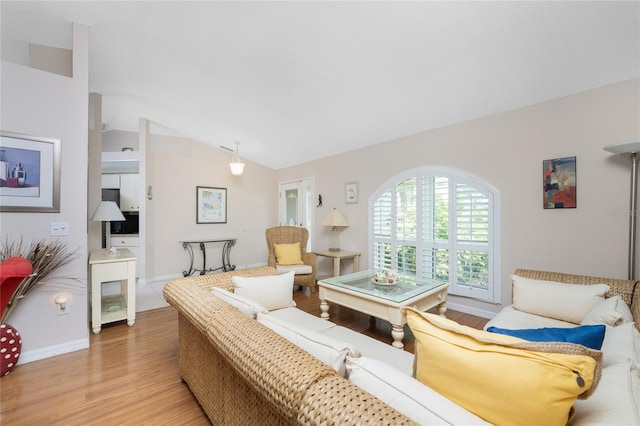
(590, 336)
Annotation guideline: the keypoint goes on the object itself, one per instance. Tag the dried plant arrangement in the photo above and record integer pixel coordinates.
(45, 257)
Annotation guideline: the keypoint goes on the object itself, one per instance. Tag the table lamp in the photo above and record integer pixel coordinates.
(334, 219)
(108, 211)
(631, 150)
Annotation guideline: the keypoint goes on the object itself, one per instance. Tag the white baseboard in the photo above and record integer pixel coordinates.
(166, 278)
(50, 351)
(469, 310)
(162, 278)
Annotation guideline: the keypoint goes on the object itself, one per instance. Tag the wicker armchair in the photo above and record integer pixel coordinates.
(288, 235)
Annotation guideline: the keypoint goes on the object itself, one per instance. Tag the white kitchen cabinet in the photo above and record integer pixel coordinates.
(111, 181)
(129, 197)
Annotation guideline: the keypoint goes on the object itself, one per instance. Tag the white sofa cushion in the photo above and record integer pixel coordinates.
(372, 348)
(616, 401)
(565, 302)
(513, 319)
(326, 349)
(611, 311)
(302, 319)
(247, 306)
(271, 291)
(407, 395)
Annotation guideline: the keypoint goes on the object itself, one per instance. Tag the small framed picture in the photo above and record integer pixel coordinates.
(211, 205)
(351, 192)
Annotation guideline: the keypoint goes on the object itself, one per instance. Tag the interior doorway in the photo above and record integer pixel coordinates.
(295, 205)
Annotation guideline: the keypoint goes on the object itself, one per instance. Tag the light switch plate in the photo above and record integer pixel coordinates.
(59, 228)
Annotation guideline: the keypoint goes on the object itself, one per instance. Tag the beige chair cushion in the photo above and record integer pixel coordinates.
(297, 269)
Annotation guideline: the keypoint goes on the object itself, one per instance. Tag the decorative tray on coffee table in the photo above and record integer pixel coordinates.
(386, 283)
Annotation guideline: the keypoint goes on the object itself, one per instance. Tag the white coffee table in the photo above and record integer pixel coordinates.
(358, 292)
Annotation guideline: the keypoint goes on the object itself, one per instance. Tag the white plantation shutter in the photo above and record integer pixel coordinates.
(472, 235)
(382, 217)
(438, 223)
(435, 221)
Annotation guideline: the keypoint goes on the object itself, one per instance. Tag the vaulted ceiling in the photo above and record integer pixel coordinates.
(298, 81)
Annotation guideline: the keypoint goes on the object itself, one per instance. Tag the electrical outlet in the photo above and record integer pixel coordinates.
(59, 228)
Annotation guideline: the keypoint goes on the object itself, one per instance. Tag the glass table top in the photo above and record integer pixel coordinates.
(406, 287)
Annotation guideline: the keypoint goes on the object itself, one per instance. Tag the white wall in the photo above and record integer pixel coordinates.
(506, 150)
(179, 165)
(44, 104)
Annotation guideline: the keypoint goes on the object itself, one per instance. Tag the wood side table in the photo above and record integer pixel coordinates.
(337, 257)
(107, 267)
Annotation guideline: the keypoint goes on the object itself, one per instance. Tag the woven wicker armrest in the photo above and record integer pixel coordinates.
(627, 289)
(310, 259)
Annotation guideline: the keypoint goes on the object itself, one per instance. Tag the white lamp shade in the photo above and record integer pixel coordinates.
(334, 219)
(623, 148)
(236, 167)
(107, 211)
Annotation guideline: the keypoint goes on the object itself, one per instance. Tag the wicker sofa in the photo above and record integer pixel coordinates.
(242, 378)
(616, 399)
(258, 377)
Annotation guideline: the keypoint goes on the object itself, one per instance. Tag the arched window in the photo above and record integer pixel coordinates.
(435, 222)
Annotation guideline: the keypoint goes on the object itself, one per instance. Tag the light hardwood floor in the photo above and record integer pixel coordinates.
(129, 375)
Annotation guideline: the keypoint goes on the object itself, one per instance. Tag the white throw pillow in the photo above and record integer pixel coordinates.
(271, 291)
(326, 349)
(244, 304)
(612, 311)
(407, 395)
(619, 344)
(566, 302)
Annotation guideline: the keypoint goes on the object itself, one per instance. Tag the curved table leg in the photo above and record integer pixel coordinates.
(204, 259)
(226, 256)
(189, 250)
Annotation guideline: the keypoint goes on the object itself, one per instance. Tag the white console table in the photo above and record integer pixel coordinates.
(107, 267)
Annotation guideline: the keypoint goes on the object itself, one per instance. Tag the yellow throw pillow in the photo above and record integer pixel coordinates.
(502, 379)
(288, 254)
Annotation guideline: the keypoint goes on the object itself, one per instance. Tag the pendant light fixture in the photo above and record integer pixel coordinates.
(236, 165)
